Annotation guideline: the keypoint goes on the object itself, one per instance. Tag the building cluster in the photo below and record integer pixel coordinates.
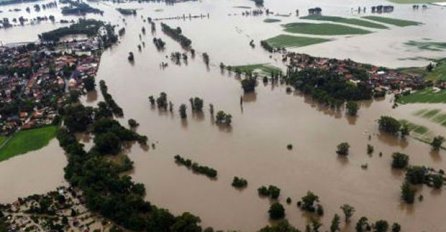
(61, 210)
(379, 78)
(35, 77)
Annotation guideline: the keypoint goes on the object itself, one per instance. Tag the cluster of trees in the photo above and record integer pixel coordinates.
(159, 43)
(249, 84)
(265, 45)
(114, 107)
(124, 11)
(436, 143)
(106, 189)
(343, 149)
(418, 175)
(310, 203)
(89, 83)
(223, 118)
(363, 225)
(328, 87)
(239, 182)
(89, 27)
(393, 126)
(271, 191)
(176, 34)
(207, 171)
(196, 104)
(400, 160)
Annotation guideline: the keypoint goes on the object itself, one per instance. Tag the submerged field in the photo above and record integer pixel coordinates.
(27, 140)
(392, 21)
(427, 45)
(323, 29)
(424, 96)
(289, 41)
(351, 21)
(265, 69)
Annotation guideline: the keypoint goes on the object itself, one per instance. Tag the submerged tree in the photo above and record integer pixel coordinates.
(182, 110)
(352, 108)
(276, 211)
(436, 143)
(400, 160)
(348, 211)
(407, 193)
(342, 149)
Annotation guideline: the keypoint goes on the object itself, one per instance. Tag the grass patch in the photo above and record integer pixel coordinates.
(424, 96)
(427, 45)
(392, 21)
(2, 140)
(352, 21)
(323, 29)
(257, 68)
(289, 41)
(27, 140)
(271, 20)
(431, 113)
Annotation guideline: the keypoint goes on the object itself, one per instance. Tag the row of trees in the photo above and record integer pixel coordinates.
(195, 167)
(114, 107)
(176, 34)
(271, 191)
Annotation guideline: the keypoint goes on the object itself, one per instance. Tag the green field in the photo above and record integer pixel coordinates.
(420, 130)
(424, 96)
(265, 69)
(323, 29)
(427, 45)
(352, 21)
(289, 41)
(269, 20)
(27, 140)
(2, 138)
(434, 115)
(392, 21)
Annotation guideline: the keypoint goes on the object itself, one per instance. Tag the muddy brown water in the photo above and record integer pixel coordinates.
(254, 147)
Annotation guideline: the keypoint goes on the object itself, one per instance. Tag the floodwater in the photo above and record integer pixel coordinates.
(254, 147)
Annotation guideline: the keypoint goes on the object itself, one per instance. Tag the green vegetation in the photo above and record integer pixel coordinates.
(352, 21)
(195, 167)
(323, 29)
(399, 160)
(2, 140)
(427, 95)
(342, 149)
(223, 118)
(239, 182)
(436, 73)
(348, 211)
(126, 11)
(352, 108)
(271, 191)
(392, 21)
(281, 226)
(427, 45)
(276, 211)
(27, 140)
(289, 41)
(310, 203)
(265, 69)
(414, 127)
(270, 20)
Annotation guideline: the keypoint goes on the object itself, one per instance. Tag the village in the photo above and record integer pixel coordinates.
(379, 78)
(34, 79)
(60, 210)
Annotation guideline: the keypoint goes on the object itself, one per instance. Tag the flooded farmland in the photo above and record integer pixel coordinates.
(254, 147)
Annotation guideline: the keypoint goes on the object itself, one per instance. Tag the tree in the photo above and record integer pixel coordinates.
(342, 149)
(404, 130)
(249, 84)
(396, 227)
(132, 123)
(362, 225)
(281, 226)
(186, 223)
(352, 108)
(400, 160)
(348, 211)
(309, 202)
(436, 143)
(276, 211)
(89, 83)
(196, 104)
(407, 193)
(416, 174)
(370, 149)
(223, 118)
(107, 143)
(437, 181)
(389, 125)
(183, 113)
(335, 223)
(381, 226)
